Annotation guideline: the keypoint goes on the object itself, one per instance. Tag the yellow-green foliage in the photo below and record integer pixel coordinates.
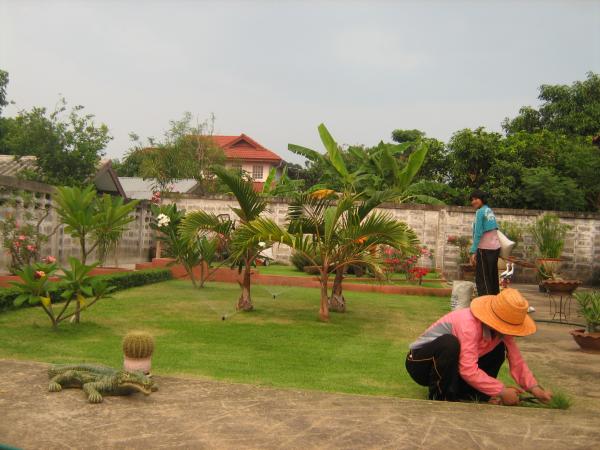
(138, 345)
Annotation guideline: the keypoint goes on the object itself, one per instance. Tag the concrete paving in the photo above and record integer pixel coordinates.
(190, 414)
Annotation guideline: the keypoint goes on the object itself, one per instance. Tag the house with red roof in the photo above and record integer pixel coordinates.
(244, 153)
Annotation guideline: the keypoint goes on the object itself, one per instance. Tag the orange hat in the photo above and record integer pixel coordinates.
(505, 312)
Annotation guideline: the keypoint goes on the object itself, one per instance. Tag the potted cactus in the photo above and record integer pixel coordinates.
(138, 347)
(589, 338)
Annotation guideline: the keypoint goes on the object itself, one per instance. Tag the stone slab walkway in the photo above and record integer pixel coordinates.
(196, 414)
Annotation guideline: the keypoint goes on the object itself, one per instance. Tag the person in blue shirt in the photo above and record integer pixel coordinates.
(485, 249)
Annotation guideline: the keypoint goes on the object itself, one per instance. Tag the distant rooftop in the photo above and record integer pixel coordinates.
(138, 188)
(11, 166)
(245, 148)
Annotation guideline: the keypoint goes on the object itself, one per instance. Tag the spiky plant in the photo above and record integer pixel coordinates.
(138, 345)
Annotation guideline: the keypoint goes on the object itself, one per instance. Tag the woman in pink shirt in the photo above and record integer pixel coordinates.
(460, 355)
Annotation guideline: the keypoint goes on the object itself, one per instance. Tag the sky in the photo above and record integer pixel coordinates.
(276, 69)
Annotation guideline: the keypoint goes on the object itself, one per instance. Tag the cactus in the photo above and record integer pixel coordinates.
(138, 345)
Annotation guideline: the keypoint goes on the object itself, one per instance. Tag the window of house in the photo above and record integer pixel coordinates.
(257, 172)
(237, 167)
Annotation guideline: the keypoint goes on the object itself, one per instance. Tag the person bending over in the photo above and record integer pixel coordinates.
(460, 355)
(485, 249)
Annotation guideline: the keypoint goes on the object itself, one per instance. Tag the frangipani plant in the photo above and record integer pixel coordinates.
(77, 287)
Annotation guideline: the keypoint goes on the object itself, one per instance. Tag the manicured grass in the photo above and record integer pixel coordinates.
(280, 269)
(291, 271)
(281, 343)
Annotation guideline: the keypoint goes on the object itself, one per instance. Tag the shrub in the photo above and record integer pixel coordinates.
(300, 260)
(120, 280)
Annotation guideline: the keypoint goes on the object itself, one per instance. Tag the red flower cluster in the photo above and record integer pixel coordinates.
(419, 272)
(155, 197)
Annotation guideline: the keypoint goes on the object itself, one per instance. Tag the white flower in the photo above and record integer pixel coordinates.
(163, 220)
(261, 244)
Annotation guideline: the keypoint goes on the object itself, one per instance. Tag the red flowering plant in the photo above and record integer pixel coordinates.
(397, 262)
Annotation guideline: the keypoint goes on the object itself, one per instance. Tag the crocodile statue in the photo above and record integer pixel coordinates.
(97, 380)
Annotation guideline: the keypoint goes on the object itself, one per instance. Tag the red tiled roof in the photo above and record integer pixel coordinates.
(243, 147)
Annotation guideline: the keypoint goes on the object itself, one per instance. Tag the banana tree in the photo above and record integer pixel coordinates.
(250, 207)
(384, 174)
(330, 232)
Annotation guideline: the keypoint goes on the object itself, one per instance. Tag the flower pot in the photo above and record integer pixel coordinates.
(561, 286)
(549, 265)
(137, 364)
(589, 342)
(467, 272)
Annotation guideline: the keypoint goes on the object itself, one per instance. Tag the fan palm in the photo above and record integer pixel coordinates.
(251, 206)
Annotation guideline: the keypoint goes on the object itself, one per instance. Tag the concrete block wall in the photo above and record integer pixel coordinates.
(135, 246)
(433, 225)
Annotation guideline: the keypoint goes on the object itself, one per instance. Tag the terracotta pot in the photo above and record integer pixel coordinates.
(467, 272)
(561, 286)
(589, 342)
(137, 364)
(551, 265)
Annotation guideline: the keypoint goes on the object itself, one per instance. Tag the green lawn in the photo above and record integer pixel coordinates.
(281, 343)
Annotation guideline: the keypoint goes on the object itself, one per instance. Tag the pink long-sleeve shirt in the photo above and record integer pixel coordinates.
(475, 341)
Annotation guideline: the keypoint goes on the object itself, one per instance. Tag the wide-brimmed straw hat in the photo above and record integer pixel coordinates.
(505, 312)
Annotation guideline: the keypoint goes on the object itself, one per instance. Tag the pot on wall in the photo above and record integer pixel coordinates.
(549, 265)
(466, 272)
(589, 342)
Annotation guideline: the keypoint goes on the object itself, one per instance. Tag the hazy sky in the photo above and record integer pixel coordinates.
(276, 69)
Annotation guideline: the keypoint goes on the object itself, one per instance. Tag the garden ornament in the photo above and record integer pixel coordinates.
(98, 380)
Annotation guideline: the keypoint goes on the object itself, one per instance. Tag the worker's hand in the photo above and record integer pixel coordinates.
(542, 395)
(473, 259)
(510, 396)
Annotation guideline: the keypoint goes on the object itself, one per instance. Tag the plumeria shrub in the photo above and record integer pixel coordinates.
(20, 229)
(77, 286)
(199, 251)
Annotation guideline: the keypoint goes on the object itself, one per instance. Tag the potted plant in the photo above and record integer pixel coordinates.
(589, 338)
(466, 270)
(549, 240)
(138, 347)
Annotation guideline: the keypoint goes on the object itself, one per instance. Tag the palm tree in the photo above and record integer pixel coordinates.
(331, 232)
(251, 206)
(384, 174)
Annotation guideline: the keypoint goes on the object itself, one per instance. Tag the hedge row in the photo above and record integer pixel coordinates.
(120, 280)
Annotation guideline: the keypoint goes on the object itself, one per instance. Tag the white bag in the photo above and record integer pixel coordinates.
(462, 294)
(506, 245)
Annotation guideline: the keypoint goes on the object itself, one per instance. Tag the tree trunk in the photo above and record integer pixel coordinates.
(245, 301)
(337, 302)
(202, 274)
(77, 311)
(83, 254)
(324, 310)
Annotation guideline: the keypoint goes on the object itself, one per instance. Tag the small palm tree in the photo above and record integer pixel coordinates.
(331, 232)
(251, 206)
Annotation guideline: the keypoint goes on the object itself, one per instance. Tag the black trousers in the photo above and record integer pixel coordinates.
(486, 272)
(435, 365)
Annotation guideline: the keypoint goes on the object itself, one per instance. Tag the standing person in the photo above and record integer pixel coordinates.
(460, 355)
(485, 250)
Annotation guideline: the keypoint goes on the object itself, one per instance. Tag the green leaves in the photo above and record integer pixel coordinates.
(104, 219)
(251, 205)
